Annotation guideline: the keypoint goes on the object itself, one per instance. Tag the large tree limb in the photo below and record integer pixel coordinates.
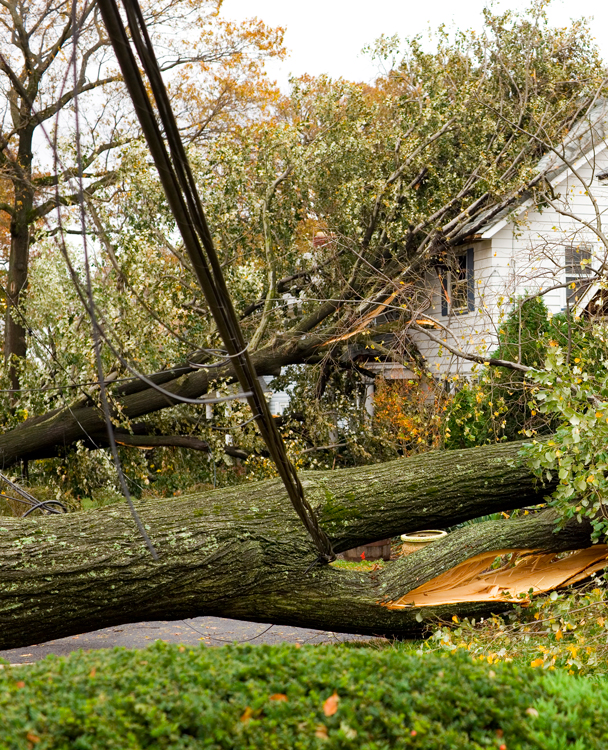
(241, 551)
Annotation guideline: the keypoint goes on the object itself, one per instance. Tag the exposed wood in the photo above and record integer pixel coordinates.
(525, 573)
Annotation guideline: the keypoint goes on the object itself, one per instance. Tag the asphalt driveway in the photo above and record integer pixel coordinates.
(211, 631)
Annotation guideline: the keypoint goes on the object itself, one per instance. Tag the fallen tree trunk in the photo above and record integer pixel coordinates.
(241, 552)
(46, 435)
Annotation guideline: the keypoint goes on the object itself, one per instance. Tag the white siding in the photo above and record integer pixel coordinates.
(525, 256)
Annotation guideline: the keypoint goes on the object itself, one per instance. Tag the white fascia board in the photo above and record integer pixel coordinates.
(488, 234)
(584, 159)
(582, 303)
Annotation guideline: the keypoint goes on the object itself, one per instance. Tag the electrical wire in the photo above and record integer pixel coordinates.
(182, 195)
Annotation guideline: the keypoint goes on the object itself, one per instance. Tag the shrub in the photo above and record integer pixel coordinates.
(499, 405)
(170, 697)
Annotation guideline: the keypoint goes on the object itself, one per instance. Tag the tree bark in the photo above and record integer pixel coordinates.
(15, 344)
(241, 552)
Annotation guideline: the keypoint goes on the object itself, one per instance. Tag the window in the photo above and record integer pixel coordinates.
(457, 284)
(577, 261)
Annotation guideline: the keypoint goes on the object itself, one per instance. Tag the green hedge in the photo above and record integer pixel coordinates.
(277, 697)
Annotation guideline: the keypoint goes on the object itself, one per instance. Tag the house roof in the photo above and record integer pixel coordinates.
(585, 137)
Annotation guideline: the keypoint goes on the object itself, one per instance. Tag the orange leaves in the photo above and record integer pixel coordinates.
(330, 707)
(403, 411)
(249, 713)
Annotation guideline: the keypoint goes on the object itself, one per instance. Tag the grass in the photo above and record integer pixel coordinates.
(362, 565)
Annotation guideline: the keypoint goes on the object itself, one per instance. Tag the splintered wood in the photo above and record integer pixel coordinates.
(527, 572)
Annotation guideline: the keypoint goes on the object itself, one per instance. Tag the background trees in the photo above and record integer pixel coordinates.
(54, 55)
(327, 205)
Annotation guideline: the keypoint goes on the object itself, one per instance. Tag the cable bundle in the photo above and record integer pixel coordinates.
(182, 195)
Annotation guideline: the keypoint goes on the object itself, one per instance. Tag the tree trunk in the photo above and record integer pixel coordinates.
(15, 344)
(241, 552)
(46, 435)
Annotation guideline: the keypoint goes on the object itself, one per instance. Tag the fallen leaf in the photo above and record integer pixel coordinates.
(93, 672)
(31, 737)
(181, 649)
(21, 684)
(278, 697)
(532, 712)
(321, 732)
(331, 704)
(247, 714)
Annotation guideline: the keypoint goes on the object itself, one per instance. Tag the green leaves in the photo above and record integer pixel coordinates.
(276, 697)
(577, 397)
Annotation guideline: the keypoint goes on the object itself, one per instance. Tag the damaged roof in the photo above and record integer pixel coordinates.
(585, 136)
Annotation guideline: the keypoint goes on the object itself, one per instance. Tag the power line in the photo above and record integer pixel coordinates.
(182, 195)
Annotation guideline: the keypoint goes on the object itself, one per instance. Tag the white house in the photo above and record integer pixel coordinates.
(558, 248)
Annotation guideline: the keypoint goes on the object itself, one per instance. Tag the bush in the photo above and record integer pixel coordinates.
(284, 697)
(499, 404)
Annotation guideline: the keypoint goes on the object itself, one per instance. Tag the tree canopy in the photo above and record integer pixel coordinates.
(328, 206)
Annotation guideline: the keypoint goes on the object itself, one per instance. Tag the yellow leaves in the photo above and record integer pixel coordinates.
(559, 635)
(278, 697)
(537, 662)
(246, 715)
(330, 707)
(33, 738)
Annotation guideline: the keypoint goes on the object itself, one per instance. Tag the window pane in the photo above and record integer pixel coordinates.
(459, 283)
(577, 260)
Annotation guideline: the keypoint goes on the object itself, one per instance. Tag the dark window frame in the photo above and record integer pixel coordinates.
(465, 263)
(576, 272)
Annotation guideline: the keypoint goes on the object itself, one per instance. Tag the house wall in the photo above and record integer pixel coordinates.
(473, 332)
(531, 249)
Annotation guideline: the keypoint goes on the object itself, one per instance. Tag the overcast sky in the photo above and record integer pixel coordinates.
(326, 36)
